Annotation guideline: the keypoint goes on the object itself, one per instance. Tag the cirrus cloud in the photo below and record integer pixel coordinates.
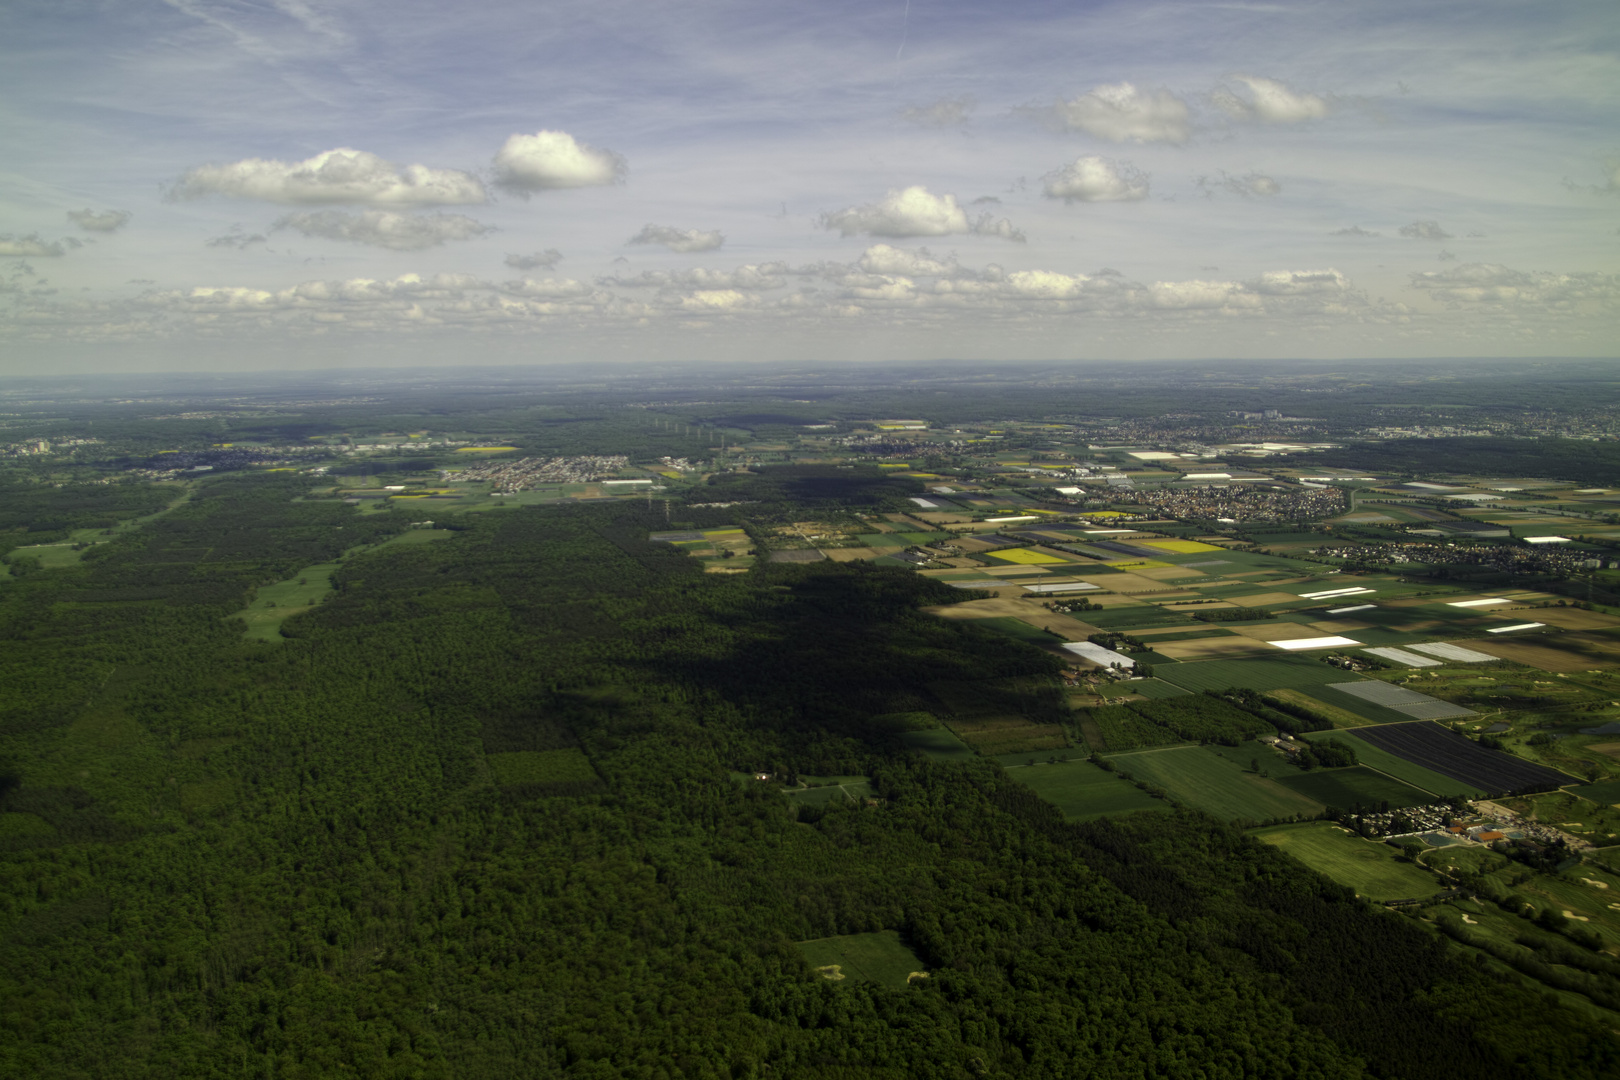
(551, 160)
(384, 228)
(343, 175)
(685, 241)
(1096, 179)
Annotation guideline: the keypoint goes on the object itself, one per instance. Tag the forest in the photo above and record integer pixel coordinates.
(354, 853)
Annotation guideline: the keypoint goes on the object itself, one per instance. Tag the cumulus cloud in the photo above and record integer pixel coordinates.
(1355, 230)
(947, 112)
(548, 160)
(539, 260)
(385, 228)
(1268, 101)
(1120, 112)
(685, 241)
(30, 246)
(1096, 179)
(915, 211)
(106, 221)
(1424, 230)
(335, 176)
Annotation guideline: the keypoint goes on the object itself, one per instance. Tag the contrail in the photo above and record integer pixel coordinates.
(905, 24)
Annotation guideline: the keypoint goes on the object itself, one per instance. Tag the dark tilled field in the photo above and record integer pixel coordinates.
(1434, 747)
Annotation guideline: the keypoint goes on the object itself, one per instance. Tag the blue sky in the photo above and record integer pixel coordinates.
(262, 183)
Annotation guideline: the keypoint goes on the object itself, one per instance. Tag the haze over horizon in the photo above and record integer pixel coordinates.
(296, 183)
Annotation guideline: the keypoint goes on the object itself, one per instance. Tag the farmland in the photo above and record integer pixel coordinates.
(1345, 789)
(1083, 791)
(1407, 772)
(1373, 869)
(1426, 743)
(1219, 782)
(1259, 674)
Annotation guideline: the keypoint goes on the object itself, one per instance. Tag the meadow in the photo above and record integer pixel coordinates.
(882, 957)
(1372, 868)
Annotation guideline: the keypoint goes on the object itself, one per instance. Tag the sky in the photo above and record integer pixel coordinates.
(219, 185)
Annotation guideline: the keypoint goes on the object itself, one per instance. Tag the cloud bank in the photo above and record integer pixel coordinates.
(335, 176)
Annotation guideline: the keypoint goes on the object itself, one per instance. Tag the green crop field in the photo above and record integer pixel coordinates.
(1346, 788)
(1401, 769)
(882, 957)
(1367, 866)
(1203, 776)
(1607, 793)
(1268, 673)
(1083, 791)
(939, 744)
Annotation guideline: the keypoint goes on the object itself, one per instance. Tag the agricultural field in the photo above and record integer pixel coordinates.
(1218, 780)
(1373, 869)
(1345, 789)
(1270, 673)
(1083, 791)
(882, 957)
(1025, 557)
(1407, 772)
(1605, 794)
(1426, 743)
